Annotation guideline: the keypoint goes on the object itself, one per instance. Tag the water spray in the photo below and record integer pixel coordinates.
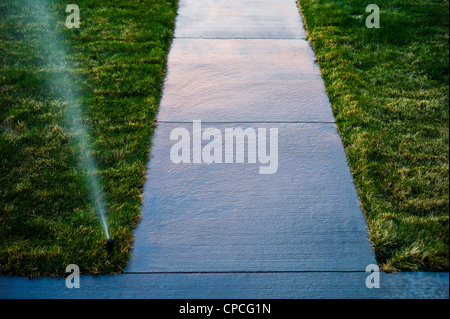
(64, 89)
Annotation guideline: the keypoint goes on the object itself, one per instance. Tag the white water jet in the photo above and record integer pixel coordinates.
(63, 86)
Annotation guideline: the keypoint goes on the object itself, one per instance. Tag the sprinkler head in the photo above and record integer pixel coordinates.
(110, 245)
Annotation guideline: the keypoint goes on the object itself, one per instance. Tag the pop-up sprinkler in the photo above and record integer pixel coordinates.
(110, 245)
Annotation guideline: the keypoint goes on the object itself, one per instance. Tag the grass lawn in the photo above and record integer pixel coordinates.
(118, 59)
(389, 88)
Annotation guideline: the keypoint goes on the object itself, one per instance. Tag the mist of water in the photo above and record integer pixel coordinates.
(62, 84)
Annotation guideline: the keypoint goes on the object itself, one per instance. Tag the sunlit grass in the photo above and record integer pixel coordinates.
(119, 56)
(389, 90)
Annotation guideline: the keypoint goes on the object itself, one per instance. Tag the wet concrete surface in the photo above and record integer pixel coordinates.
(247, 19)
(243, 81)
(298, 285)
(229, 217)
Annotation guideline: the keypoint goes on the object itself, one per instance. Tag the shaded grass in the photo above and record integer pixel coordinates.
(118, 61)
(389, 89)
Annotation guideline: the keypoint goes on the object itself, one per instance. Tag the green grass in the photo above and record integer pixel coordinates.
(389, 89)
(119, 59)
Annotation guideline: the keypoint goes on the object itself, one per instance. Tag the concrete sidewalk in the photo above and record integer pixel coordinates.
(245, 285)
(229, 71)
(225, 230)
